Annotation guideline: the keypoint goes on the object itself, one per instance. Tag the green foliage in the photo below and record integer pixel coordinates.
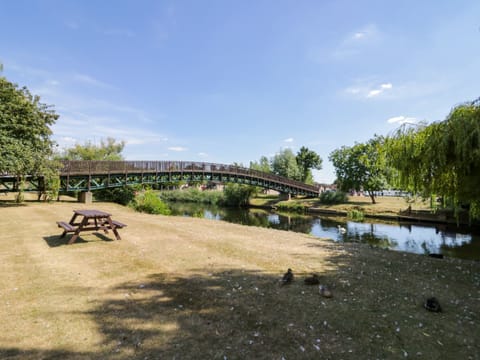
(107, 150)
(25, 145)
(120, 195)
(441, 159)
(361, 167)
(237, 194)
(262, 165)
(193, 195)
(333, 197)
(292, 206)
(149, 202)
(285, 164)
(307, 160)
(356, 214)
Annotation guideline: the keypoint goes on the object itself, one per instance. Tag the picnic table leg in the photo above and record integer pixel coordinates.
(77, 232)
(114, 228)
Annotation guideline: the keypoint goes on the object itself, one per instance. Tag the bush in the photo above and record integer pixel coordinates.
(237, 194)
(292, 206)
(121, 195)
(193, 195)
(333, 197)
(356, 214)
(150, 203)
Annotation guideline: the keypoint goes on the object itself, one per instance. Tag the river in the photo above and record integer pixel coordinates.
(410, 237)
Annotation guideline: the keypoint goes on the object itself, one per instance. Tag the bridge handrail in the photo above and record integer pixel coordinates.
(90, 167)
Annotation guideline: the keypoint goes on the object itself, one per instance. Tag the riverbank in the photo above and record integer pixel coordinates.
(385, 208)
(193, 288)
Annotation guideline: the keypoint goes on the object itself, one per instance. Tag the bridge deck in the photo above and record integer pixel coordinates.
(92, 175)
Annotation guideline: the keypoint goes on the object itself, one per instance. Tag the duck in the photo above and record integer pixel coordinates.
(325, 291)
(341, 229)
(287, 277)
(312, 280)
(432, 304)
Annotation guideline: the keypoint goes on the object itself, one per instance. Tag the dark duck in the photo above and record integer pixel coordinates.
(312, 280)
(287, 277)
(432, 304)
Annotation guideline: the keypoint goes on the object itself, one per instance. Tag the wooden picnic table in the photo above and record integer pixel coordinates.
(89, 220)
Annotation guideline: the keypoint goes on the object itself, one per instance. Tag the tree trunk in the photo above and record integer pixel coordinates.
(372, 196)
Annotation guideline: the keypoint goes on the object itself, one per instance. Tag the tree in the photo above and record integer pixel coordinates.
(443, 158)
(285, 164)
(361, 167)
(25, 144)
(307, 160)
(107, 150)
(262, 165)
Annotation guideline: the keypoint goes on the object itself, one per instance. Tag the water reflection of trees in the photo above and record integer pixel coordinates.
(411, 237)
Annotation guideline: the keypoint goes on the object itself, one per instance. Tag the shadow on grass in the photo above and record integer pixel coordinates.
(34, 354)
(56, 240)
(9, 203)
(375, 312)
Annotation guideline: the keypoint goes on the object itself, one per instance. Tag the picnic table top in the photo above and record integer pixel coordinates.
(92, 213)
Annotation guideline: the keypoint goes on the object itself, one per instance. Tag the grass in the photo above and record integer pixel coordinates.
(189, 288)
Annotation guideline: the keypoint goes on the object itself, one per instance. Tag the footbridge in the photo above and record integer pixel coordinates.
(86, 176)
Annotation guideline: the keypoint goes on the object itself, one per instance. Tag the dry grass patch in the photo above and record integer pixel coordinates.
(188, 288)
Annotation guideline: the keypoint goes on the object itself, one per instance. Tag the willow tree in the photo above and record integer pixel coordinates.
(442, 159)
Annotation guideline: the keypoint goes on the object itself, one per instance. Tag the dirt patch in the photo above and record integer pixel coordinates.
(188, 288)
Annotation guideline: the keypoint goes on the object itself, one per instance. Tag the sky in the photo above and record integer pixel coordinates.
(230, 81)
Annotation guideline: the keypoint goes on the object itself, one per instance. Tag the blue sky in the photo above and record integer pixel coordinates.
(230, 81)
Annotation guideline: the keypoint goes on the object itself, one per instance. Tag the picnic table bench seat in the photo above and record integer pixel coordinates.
(118, 224)
(66, 226)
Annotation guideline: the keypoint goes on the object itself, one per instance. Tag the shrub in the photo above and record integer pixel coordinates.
(237, 194)
(356, 214)
(292, 206)
(193, 195)
(121, 195)
(333, 197)
(149, 202)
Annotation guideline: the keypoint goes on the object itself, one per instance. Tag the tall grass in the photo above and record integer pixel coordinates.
(356, 214)
(193, 195)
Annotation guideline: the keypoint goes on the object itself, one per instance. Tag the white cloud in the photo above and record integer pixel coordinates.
(368, 90)
(379, 90)
(177, 148)
(202, 154)
(89, 80)
(402, 120)
(356, 41)
(289, 140)
(367, 32)
(373, 93)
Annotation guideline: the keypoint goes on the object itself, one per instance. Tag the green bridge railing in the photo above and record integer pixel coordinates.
(94, 175)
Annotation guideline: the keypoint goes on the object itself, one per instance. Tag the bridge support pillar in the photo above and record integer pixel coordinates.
(285, 196)
(85, 197)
